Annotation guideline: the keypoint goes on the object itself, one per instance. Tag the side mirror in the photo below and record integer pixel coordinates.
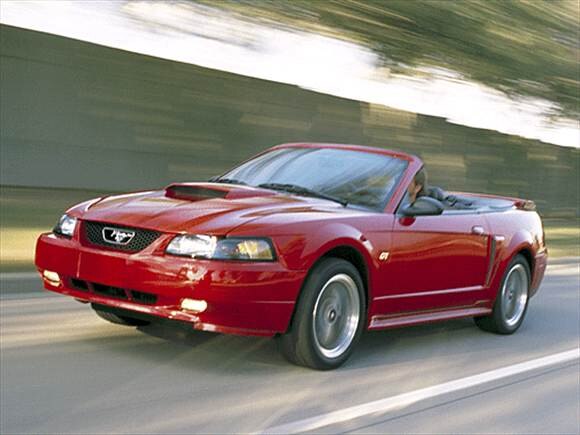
(423, 206)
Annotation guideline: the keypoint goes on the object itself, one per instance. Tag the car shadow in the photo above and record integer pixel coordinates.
(376, 348)
(458, 340)
(213, 351)
(405, 345)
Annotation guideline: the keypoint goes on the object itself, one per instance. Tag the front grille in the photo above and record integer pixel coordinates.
(114, 292)
(79, 284)
(142, 238)
(107, 290)
(143, 298)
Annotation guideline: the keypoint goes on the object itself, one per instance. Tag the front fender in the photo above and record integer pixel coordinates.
(329, 237)
(335, 236)
(300, 244)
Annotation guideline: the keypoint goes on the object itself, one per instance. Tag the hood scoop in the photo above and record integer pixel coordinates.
(203, 191)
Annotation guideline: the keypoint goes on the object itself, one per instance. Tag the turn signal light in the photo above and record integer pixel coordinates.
(195, 305)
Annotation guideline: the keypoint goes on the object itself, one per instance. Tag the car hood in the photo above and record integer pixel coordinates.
(207, 208)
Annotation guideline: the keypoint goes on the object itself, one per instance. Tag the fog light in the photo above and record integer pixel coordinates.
(194, 305)
(51, 277)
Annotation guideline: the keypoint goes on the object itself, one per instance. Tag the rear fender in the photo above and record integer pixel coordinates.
(507, 249)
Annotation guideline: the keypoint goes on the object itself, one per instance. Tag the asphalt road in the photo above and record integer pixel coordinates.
(63, 370)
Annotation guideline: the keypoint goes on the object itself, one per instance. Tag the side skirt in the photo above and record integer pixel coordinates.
(384, 322)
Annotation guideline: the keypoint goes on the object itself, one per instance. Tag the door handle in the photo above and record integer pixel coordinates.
(478, 230)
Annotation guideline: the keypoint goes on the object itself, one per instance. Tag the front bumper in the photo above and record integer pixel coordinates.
(243, 298)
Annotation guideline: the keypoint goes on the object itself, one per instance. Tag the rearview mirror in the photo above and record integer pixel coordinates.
(423, 206)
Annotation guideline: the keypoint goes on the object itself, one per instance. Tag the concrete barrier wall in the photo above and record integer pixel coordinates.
(78, 115)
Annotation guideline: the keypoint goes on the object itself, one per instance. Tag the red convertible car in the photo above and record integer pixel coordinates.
(310, 243)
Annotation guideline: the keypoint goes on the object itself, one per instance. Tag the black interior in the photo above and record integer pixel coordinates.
(453, 202)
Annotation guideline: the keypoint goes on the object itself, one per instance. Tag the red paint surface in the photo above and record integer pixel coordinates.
(437, 267)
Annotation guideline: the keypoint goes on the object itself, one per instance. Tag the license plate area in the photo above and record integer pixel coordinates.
(107, 268)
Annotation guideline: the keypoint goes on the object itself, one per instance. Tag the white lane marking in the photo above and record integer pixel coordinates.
(406, 399)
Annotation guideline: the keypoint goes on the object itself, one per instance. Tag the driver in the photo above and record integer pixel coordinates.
(418, 186)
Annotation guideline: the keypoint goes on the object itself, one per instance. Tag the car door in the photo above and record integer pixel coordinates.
(434, 262)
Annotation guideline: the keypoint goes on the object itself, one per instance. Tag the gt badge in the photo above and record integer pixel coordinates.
(384, 256)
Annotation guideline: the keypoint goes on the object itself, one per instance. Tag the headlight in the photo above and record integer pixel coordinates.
(192, 246)
(65, 226)
(213, 248)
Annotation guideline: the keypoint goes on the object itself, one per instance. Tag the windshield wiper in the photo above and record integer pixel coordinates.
(299, 190)
(226, 181)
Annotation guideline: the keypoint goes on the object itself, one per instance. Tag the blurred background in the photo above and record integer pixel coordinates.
(109, 96)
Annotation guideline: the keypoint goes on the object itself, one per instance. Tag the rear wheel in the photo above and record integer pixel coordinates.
(511, 302)
(120, 320)
(329, 317)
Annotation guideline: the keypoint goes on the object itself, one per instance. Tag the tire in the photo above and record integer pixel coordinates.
(329, 317)
(511, 302)
(120, 320)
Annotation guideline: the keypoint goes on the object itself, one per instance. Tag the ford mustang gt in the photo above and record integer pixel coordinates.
(308, 243)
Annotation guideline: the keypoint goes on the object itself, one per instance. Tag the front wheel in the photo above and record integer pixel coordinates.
(329, 316)
(511, 302)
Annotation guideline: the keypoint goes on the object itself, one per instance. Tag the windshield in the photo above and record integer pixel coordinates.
(355, 177)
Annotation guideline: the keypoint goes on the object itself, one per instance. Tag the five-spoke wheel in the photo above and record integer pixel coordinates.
(336, 315)
(512, 300)
(329, 316)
